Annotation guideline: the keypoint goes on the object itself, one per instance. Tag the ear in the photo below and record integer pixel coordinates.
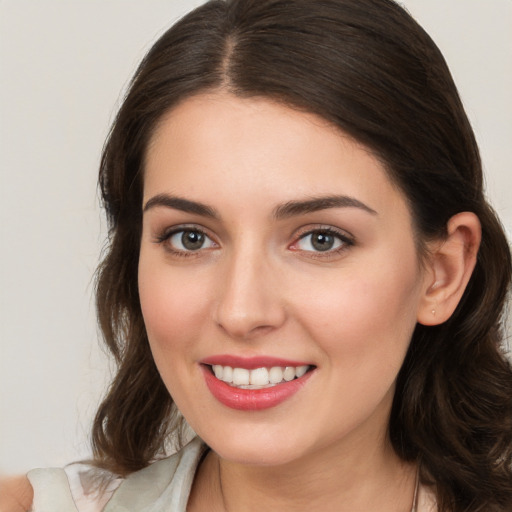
(449, 269)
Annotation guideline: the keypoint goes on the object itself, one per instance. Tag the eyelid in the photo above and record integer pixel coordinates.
(165, 232)
(346, 238)
(314, 228)
(164, 235)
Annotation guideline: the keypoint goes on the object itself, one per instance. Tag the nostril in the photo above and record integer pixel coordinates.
(245, 332)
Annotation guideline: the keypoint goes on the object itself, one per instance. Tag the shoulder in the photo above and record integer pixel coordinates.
(82, 488)
(426, 500)
(163, 485)
(78, 487)
(15, 494)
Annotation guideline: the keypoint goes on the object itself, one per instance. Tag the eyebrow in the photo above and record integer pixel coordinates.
(286, 210)
(179, 203)
(293, 208)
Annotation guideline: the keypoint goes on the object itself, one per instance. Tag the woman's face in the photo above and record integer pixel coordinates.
(271, 240)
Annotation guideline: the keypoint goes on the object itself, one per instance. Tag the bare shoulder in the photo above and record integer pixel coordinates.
(15, 494)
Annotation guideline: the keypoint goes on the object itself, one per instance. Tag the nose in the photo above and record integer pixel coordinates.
(249, 301)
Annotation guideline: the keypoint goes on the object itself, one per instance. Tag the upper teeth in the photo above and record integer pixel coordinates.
(259, 377)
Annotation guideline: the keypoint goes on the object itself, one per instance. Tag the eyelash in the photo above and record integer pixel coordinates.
(166, 235)
(346, 241)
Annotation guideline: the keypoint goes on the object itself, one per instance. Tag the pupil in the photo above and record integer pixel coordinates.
(322, 241)
(192, 240)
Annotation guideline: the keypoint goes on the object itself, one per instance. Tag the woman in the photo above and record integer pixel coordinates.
(301, 257)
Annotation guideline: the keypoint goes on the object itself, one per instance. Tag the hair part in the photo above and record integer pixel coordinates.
(368, 68)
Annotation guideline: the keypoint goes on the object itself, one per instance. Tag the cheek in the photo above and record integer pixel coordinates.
(173, 308)
(365, 317)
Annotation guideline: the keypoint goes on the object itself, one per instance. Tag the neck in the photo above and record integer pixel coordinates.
(366, 476)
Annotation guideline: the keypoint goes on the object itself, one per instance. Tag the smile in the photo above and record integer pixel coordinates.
(254, 384)
(258, 378)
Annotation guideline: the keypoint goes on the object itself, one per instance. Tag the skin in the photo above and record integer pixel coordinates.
(258, 287)
(15, 494)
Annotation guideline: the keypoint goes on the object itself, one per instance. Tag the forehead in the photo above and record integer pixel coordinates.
(218, 147)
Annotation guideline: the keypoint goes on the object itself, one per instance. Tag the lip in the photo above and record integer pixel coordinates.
(250, 363)
(251, 399)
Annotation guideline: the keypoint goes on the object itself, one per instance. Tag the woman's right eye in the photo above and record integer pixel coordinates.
(187, 241)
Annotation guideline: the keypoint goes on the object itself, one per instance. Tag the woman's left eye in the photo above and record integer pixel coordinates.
(321, 241)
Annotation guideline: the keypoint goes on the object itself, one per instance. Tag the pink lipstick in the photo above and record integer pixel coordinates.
(254, 383)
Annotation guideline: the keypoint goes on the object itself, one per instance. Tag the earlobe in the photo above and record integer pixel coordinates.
(449, 269)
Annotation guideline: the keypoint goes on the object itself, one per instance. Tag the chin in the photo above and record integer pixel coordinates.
(257, 455)
(254, 446)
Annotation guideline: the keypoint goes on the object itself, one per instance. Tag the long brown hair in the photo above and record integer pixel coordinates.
(369, 68)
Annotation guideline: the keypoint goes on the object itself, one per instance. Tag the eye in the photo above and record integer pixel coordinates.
(187, 240)
(322, 240)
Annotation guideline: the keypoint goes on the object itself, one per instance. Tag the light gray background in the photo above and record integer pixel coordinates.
(63, 67)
